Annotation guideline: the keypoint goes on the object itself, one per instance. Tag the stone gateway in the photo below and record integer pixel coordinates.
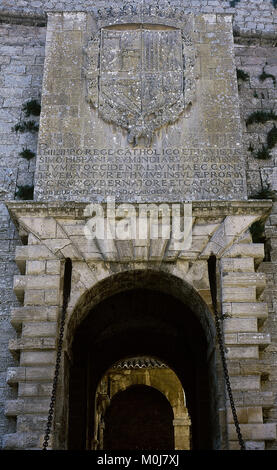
(139, 144)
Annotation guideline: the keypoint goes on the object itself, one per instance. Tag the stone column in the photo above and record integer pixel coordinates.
(182, 433)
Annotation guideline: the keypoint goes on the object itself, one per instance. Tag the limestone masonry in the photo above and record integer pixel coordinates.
(169, 103)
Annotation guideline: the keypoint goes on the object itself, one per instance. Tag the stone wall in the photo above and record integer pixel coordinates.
(258, 92)
(255, 56)
(21, 59)
(250, 16)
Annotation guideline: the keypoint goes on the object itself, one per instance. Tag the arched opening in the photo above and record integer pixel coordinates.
(142, 372)
(139, 418)
(148, 315)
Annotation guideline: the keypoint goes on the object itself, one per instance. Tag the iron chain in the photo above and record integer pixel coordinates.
(227, 379)
(55, 381)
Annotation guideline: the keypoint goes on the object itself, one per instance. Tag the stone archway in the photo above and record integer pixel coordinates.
(103, 269)
(143, 313)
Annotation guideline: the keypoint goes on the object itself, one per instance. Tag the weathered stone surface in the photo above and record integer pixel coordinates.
(246, 309)
(21, 58)
(259, 432)
(39, 329)
(240, 325)
(30, 374)
(135, 71)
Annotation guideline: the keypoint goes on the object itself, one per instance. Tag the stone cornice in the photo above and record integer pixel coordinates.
(204, 209)
(27, 19)
(39, 19)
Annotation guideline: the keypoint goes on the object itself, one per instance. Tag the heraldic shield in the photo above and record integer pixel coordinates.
(140, 82)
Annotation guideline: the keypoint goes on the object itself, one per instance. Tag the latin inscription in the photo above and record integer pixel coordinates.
(128, 174)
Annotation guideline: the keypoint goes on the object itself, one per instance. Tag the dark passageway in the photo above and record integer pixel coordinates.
(139, 322)
(139, 418)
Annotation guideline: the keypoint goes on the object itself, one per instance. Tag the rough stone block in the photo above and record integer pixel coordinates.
(35, 267)
(35, 358)
(254, 445)
(39, 329)
(238, 294)
(237, 265)
(250, 382)
(52, 297)
(34, 297)
(27, 405)
(242, 352)
(253, 432)
(253, 414)
(53, 267)
(31, 423)
(232, 325)
(244, 279)
(246, 309)
(33, 252)
(255, 250)
(30, 374)
(33, 282)
(29, 313)
(22, 441)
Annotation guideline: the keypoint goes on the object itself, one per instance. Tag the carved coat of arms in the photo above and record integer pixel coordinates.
(139, 78)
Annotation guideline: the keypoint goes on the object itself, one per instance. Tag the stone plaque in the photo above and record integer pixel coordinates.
(140, 111)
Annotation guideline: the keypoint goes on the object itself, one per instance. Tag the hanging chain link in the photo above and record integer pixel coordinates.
(212, 279)
(227, 379)
(55, 382)
(66, 295)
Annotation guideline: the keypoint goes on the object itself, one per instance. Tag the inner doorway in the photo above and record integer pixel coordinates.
(139, 418)
(141, 374)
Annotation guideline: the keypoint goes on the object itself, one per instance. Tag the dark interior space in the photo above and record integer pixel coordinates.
(139, 418)
(141, 322)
